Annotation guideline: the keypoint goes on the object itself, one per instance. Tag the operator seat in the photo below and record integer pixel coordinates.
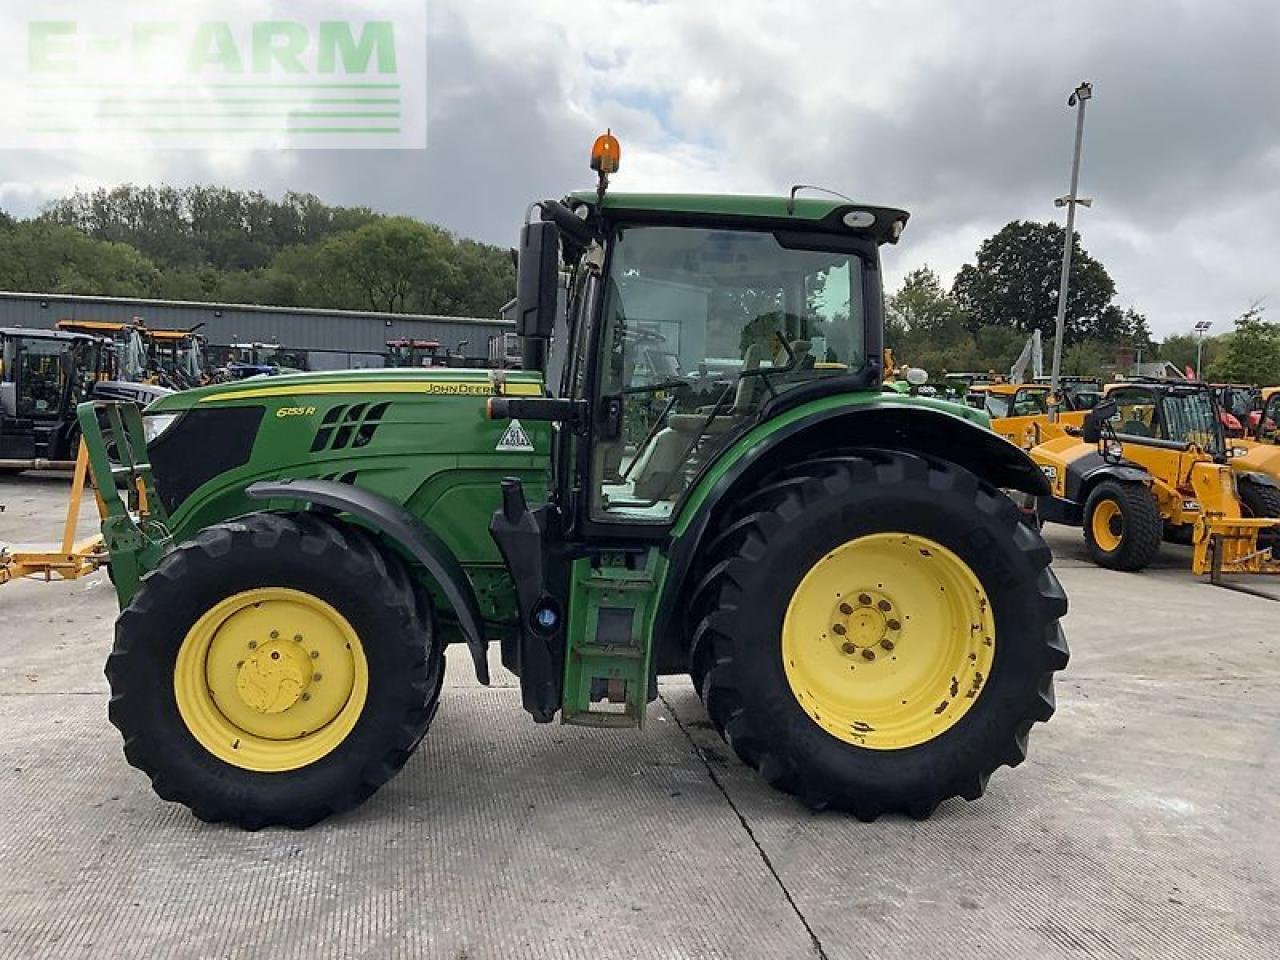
(674, 445)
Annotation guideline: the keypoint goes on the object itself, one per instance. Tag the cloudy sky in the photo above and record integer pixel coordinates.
(954, 110)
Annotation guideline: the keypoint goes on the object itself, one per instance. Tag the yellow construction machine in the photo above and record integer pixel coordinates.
(1019, 412)
(1151, 463)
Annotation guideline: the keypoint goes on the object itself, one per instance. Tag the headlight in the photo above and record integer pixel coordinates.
(156, 424)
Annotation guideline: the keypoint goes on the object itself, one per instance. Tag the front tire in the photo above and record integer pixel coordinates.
(275, 670)
(872, 541)
(1122, 526)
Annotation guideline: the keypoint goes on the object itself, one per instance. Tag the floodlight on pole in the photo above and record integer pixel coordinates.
(1201, 328)
(1079, 97)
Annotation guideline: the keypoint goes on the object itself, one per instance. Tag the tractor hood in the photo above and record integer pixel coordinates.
(440, 381)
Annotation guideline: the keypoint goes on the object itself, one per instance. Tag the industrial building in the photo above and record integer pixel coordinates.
(330, 339)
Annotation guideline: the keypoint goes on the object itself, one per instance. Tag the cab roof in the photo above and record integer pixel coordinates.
(826, 213)
(1008, 388)
(31, 333)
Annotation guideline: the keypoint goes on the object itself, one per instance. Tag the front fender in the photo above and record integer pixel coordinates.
(413, 536)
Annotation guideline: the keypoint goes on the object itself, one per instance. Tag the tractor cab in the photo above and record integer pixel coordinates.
(1166, 412)
(239, 361)
(1001, 400)
(44, 374)
(689, 320)
(416, 353)
(177, 357)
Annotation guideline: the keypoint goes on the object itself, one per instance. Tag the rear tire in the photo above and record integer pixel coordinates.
(1122, 526)
(325, 564)
(758, 567)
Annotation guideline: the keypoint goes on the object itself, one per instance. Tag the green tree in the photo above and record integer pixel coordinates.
(1252, 351)
(1180, 350)
(43, 257)
(925, 326)
(1014, 283)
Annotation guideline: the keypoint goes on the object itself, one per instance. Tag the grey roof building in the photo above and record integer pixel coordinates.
(332, 338)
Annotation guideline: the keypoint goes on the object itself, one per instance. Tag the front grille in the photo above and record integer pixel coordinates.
(201, 445)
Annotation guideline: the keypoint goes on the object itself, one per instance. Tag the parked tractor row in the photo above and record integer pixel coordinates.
(1154, 461)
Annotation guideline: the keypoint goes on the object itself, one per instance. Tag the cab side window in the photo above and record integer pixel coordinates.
(1136, 412)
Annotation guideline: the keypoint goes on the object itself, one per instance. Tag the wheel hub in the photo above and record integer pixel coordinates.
(274, 676)
(888, 640)
(864, 621)
(271, 679)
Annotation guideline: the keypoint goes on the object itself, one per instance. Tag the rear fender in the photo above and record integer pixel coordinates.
(410, 533)
(888, 423)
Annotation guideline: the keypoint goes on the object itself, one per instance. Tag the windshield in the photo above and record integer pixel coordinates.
(701, 327)
(41, 370)
(1191, 418)
(997, 407)
(1269, 422)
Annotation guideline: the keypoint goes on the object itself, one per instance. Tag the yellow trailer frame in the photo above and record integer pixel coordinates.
(71, 558)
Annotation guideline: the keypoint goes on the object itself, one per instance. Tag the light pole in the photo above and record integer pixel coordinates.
(1079, 97)
(1202, 327)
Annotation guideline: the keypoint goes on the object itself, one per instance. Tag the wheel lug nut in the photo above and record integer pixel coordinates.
(306, 696)
(887, 644)
(868, 654)
(297, 638)
(253, 644)
(838, 629)
(275, 634)
(849, 648)
(315, 654)
(317, 676)
(885, 605)
(864, 599)
(846, 609)
(894, 625)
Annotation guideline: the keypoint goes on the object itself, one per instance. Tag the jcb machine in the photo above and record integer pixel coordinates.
(1019, 412)
(1259, 450)
(695, 472)
(1152, 463)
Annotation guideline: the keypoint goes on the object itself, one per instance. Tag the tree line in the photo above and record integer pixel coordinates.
(1010, 290)
(208, 243)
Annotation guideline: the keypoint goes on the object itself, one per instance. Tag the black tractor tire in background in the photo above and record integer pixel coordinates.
(1141, 529)
(335, 562)
(753, 566)
(1262, 501)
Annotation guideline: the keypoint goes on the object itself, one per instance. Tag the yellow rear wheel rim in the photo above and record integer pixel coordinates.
(271, 679)
(888, 641)
(1108, 525)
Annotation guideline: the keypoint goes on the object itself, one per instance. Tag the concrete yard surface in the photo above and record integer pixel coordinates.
(1144, 824)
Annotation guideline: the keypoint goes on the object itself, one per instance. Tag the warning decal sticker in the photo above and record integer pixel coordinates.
(515, 440)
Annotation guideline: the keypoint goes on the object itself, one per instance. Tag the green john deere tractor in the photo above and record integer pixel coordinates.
(695, 472)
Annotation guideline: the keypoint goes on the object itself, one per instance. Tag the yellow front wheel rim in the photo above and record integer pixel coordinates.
(271, 679)
(1107, 525)
(888, 641)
